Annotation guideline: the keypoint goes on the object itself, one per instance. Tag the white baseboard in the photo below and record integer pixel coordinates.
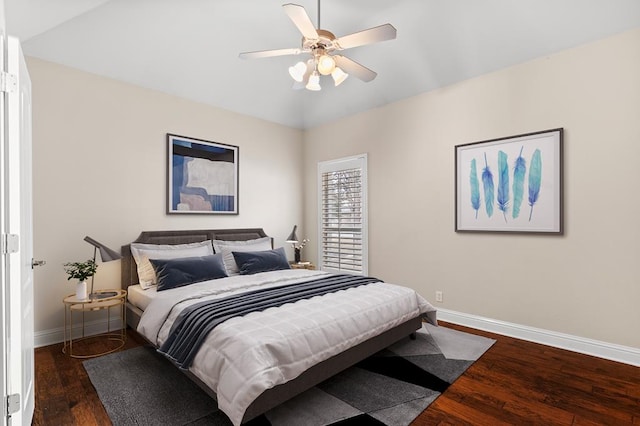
(56, 335)
(611, 351)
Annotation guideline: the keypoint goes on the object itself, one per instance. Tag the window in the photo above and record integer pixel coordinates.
(342, 188)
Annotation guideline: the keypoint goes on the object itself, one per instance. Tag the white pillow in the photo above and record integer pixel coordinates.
(143, 252)
(227, 247)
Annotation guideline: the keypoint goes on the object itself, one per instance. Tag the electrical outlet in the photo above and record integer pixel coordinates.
(438, 296)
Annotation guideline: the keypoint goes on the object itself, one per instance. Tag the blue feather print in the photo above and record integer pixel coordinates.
(535, 179)
(475, 187)
(503, 183)
(487, 183)
(519, 171)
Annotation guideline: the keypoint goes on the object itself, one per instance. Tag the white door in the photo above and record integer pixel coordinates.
(19, 309)
(4, 279)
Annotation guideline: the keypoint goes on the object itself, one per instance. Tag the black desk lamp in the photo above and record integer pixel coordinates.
(106, 254)
(293, 239)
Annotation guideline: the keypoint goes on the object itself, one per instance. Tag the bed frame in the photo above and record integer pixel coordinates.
(281, 393)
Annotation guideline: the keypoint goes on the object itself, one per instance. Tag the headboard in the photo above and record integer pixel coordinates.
(129, 268)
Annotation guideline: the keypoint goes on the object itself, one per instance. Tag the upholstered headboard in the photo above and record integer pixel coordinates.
(129, 268)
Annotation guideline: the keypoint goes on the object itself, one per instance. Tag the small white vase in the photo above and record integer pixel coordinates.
(81, 290)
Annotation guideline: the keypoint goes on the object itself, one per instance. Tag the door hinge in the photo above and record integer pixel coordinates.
(8, 82)
(10, 243)
(13, 403)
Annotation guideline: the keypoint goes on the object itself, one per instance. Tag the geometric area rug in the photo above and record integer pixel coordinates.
(138, 386)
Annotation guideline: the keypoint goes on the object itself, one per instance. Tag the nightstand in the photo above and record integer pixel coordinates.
(105, 302)
(303, 265)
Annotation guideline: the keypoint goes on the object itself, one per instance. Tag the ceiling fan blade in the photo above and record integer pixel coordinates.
(301, 20)
(269, 53)
(372, 35)
(355, 69)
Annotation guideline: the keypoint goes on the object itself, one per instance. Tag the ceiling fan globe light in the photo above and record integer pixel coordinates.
(314, 82)
(297, 71)
(339, 76)
(326, 64)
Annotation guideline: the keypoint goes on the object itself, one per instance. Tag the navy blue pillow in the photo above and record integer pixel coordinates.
(183, 271)
(252, 262)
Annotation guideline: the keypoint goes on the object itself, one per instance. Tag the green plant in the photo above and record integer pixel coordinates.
(80, 270)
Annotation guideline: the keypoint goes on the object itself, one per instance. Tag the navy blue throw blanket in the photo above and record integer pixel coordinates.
(196, 321)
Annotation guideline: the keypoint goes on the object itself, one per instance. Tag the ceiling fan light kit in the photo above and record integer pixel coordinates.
(321, 45)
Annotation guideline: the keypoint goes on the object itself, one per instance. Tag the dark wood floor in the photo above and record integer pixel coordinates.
(515, 382)
(518, 382)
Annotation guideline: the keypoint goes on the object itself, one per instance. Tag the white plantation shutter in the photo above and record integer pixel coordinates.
(343, 215)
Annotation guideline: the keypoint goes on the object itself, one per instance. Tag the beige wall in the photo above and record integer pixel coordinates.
(99, 161)
(585, 283)
(100, 164)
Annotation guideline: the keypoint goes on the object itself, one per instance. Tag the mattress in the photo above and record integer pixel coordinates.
(139, 297)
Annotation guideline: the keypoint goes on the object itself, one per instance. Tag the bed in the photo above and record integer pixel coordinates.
(276, 393)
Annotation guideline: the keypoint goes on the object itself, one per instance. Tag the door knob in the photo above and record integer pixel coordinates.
(35, 263)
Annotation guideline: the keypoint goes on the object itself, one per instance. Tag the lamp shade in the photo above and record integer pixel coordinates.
(326, 64)
(339, 76)
(314, 82)
(293, 238)
(297, 71)
(106, 254)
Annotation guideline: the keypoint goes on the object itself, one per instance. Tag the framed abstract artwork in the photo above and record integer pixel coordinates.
(202, 177)
(511, 184)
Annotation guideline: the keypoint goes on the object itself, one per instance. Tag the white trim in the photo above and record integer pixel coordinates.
(56, 335)
(611, 351)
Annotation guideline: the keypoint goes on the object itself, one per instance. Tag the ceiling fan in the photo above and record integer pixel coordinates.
(323, 46)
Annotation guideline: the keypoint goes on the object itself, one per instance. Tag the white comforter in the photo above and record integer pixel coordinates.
(245, 356)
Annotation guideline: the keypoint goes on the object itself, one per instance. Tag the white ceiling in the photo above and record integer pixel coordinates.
(189, 48)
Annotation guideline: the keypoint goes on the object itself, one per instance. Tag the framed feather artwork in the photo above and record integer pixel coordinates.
(511, 184)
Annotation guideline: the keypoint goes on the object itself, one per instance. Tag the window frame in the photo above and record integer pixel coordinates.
(342, 164)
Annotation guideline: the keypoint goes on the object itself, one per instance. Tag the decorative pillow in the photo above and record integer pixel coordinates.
(143, 252)
(172, 273)
(227, 247)
(252, 262)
